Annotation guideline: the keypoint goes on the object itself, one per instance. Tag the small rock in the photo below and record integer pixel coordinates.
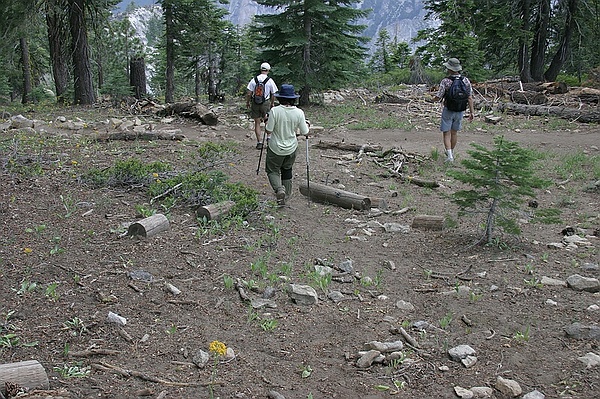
(590, 360)
(141, 275)
(200, 358)
(403, 305)
(581, 331)
(469, 361)
(396, 228)
(508, 387)
(346, 266)
(555, 245)
(551, 302)
(115, 318)
(482, 392)
(593, 308)
(460, 352)
(580, 283)
(463, 392)
(303, 294)
(229, 354)
(548, 281)
(336, 296)
(172, 289)
(366, 360)
(534, 395)
(275, 395)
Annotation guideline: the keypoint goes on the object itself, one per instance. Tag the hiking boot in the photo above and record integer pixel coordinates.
(280, 195)
(288, 188)
(259, 146)
(449, 160)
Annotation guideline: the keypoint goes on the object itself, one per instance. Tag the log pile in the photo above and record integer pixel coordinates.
(510, 95)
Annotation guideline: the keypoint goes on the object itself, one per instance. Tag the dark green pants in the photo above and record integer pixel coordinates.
(279, 170)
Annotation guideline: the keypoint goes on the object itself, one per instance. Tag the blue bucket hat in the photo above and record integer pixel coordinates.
(286, 91)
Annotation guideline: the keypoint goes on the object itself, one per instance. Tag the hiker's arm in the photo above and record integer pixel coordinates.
(471, 109)
(248, 97)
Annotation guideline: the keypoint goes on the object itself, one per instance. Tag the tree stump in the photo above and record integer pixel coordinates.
(331, 195)
(28, 374)
(149, 226)
(428, 222)
(214, 211)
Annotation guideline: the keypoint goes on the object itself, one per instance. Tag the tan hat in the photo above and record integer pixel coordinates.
(453, 64)
(265, 66)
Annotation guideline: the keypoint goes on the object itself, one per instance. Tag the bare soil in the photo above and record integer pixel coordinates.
(298, 351)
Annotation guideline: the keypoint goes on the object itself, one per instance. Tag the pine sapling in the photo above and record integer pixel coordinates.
(500, 179)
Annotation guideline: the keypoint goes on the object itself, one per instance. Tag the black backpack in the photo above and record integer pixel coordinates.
(457, 95)
(259, 91)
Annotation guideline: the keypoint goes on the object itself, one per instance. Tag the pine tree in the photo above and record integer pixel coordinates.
(313, 44)
(500, 179)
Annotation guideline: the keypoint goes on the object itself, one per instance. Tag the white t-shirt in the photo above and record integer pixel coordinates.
(270, 87)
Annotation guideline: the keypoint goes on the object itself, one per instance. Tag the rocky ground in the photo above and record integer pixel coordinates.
(391, 309)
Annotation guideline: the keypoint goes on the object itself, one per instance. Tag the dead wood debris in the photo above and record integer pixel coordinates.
(103, 366)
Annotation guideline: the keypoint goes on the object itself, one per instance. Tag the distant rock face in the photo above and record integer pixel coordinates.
(402, 18)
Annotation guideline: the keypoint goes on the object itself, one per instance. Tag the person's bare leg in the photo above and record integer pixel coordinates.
(453, 139)
(448, 146)
(257, 130)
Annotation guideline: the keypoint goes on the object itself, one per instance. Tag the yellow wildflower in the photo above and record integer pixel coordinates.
(155, 174)
(74, 162)
(27, 250)
(218, 348)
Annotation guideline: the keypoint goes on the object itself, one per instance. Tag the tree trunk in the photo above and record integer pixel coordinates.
(56, 39)
(523, 56)
(538, 47)
(563, 50)
(197, 79)
(137, 77)
(82, 71)
(306, 57)
(26, 65)
(170, 36)
(212, 77)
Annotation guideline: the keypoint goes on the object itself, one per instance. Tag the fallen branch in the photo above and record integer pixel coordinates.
(132, 373)
(409, 179)
(169, 191)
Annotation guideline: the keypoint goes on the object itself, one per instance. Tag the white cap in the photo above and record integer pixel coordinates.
(265, 66)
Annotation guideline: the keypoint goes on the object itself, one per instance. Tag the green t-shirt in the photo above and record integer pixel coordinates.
(283, 125)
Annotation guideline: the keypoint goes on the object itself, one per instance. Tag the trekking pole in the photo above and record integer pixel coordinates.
(307, 170)
(261, 151)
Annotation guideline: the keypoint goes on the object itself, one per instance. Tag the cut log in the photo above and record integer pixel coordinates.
(149, 226)
(581, 115)
(386, 97)
(347, 146)
(428, 222)
(331, 195)
(28, 374)
(528, 97)
(214, 211)
(147, 135)
(191, 110)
